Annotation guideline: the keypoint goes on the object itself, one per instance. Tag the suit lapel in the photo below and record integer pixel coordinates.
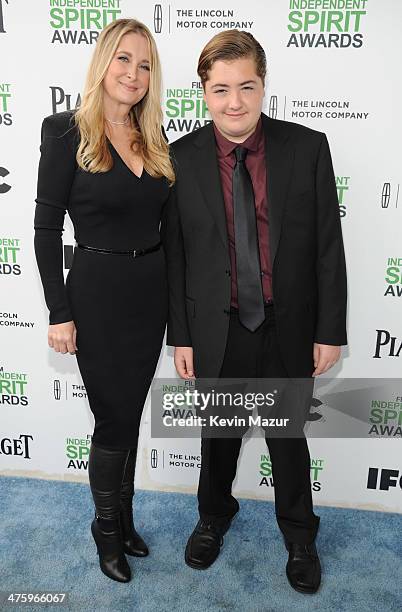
(208, 178)
(279, 156)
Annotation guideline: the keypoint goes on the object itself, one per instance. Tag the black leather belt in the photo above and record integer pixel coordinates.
(133, 253)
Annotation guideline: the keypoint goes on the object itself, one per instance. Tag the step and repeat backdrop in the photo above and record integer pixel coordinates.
(333, 65)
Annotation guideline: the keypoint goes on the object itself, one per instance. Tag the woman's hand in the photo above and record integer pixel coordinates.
(62, 337)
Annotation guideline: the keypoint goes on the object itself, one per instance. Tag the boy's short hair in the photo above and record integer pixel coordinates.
(231, 45)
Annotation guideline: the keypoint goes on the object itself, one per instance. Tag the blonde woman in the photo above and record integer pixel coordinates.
(108, 165)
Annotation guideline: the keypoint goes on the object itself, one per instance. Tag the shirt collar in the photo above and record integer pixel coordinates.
(226, 147)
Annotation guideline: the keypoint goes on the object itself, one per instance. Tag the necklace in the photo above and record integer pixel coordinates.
(118, 122)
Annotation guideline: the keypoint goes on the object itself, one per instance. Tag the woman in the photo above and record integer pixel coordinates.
(108, 165)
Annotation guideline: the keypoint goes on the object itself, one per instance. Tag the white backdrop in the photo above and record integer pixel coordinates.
(332, 65)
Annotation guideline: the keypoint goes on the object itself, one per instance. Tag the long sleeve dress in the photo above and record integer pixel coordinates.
(118, 303)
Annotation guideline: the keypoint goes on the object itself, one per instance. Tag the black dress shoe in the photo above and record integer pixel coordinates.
(303, 568)
(112, 560)
(204, 544)
(133, 543)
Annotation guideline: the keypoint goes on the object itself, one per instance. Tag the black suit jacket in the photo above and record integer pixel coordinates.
(308, 270)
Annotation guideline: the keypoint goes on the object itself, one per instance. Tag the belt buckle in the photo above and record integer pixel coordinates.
(134, 253)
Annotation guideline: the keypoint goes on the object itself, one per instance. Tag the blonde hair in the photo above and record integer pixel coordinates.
(230, 45)
(93, 153)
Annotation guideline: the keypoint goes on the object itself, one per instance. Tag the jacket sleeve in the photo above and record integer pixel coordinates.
(178, 333)
(55, 176)
(330, 257)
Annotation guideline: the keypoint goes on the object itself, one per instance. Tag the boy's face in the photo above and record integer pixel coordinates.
(234, 95)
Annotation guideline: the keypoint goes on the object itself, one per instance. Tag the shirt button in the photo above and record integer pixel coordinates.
(228, 272)
(227, 312)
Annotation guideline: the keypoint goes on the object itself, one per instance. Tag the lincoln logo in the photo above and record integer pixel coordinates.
(158, 18)
(273, 107)
(386, 195)
(154, 458)
(57, 389)
(3, 186)
(2, 30)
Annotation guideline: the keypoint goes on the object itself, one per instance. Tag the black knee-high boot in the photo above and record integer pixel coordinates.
(105, 470)
(133, 543)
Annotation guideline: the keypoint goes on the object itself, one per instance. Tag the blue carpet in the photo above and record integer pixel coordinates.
(45, 545)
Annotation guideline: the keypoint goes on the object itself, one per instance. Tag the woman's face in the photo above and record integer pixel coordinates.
(127, 78)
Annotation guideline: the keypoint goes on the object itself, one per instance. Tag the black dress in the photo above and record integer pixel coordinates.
(118, 303)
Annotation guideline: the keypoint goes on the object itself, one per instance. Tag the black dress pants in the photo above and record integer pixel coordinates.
(256, 355)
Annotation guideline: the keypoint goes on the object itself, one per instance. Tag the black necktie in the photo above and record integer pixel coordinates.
(249, 288)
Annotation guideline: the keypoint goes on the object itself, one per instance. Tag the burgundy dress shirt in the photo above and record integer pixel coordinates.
(256, 165)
